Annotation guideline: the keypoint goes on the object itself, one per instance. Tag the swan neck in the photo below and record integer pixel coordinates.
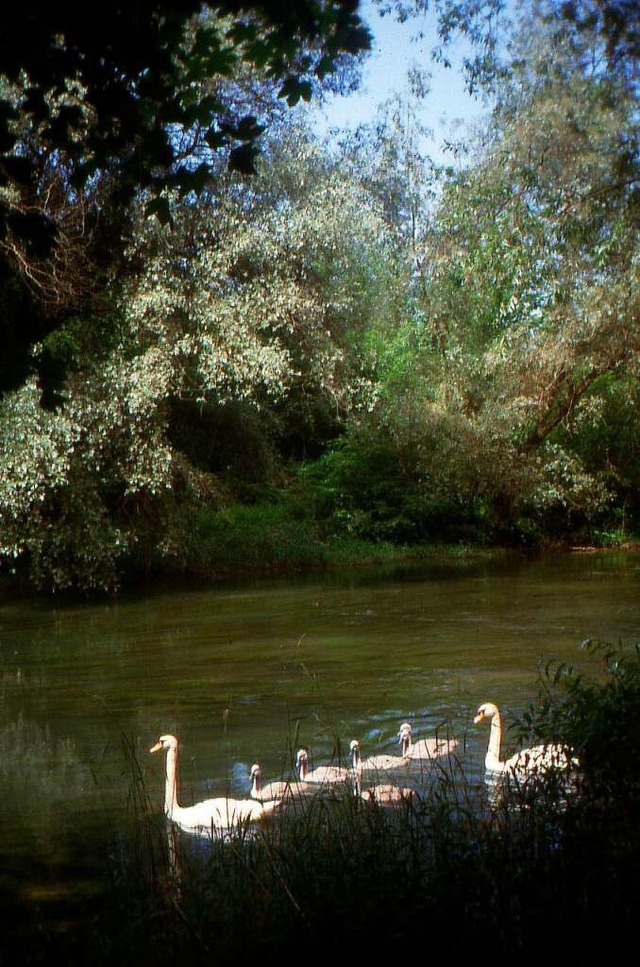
(171, 783)
(495, 741)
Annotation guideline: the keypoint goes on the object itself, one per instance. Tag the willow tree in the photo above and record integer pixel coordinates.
(531, 294)
(101, 106)
(511, 382)
(228, 326)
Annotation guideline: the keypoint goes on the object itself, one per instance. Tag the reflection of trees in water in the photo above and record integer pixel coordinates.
(52, 797)
(35, 763)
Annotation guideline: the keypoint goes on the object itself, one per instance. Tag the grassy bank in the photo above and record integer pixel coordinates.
(284, 536)
(292, 530)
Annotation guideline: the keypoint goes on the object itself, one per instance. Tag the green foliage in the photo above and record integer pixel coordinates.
(138, 79)
(134, 102)
(183, 403)
(261, 537)
(523, 313)
(452, 362)
(606, 436)
(599, 716)
(370, 488)
(284, 532)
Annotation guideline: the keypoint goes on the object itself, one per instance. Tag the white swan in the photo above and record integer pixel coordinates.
(273, 790)
(534, 761)
(211, 815)
(321, 774)
(381, 793)
(424, 748)
(384, 762)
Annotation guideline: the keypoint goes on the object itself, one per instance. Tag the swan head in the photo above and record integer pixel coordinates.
(486, 711)
(404, 738)
(302, 764)
(255, 771)
(165, 742)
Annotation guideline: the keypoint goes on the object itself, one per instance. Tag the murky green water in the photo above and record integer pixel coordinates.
(248, 672)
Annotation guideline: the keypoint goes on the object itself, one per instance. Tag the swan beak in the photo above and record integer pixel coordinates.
(156, 748)
(478, 718)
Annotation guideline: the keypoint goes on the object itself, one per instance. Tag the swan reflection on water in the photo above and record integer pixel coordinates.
(380, 793)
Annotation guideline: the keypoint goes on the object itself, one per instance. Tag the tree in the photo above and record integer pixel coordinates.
(533, 294)
(98, 106)
(233, 331)
(521, 330)
(485, 24)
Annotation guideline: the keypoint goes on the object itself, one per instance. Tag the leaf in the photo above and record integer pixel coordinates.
(194, 180)
(294, 89)
(216, 139)
(249, 129)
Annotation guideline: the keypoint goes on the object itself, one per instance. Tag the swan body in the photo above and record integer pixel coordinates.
(384, 762)
(321, 774)
(381, 793)
(424, 748)
(272, 790)
(534, 761)
(210, 815)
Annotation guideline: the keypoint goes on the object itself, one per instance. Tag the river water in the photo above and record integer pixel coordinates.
(247, 672)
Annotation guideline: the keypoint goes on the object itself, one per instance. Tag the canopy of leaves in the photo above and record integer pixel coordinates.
(138, 68)
(461, 355)
(131, 98)
(520, 338)
(253, 302)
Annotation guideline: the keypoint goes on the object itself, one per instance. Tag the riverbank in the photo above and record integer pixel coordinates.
(286, 535)
(255, 557)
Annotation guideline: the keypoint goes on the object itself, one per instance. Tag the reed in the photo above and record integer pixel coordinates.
(356, 880)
